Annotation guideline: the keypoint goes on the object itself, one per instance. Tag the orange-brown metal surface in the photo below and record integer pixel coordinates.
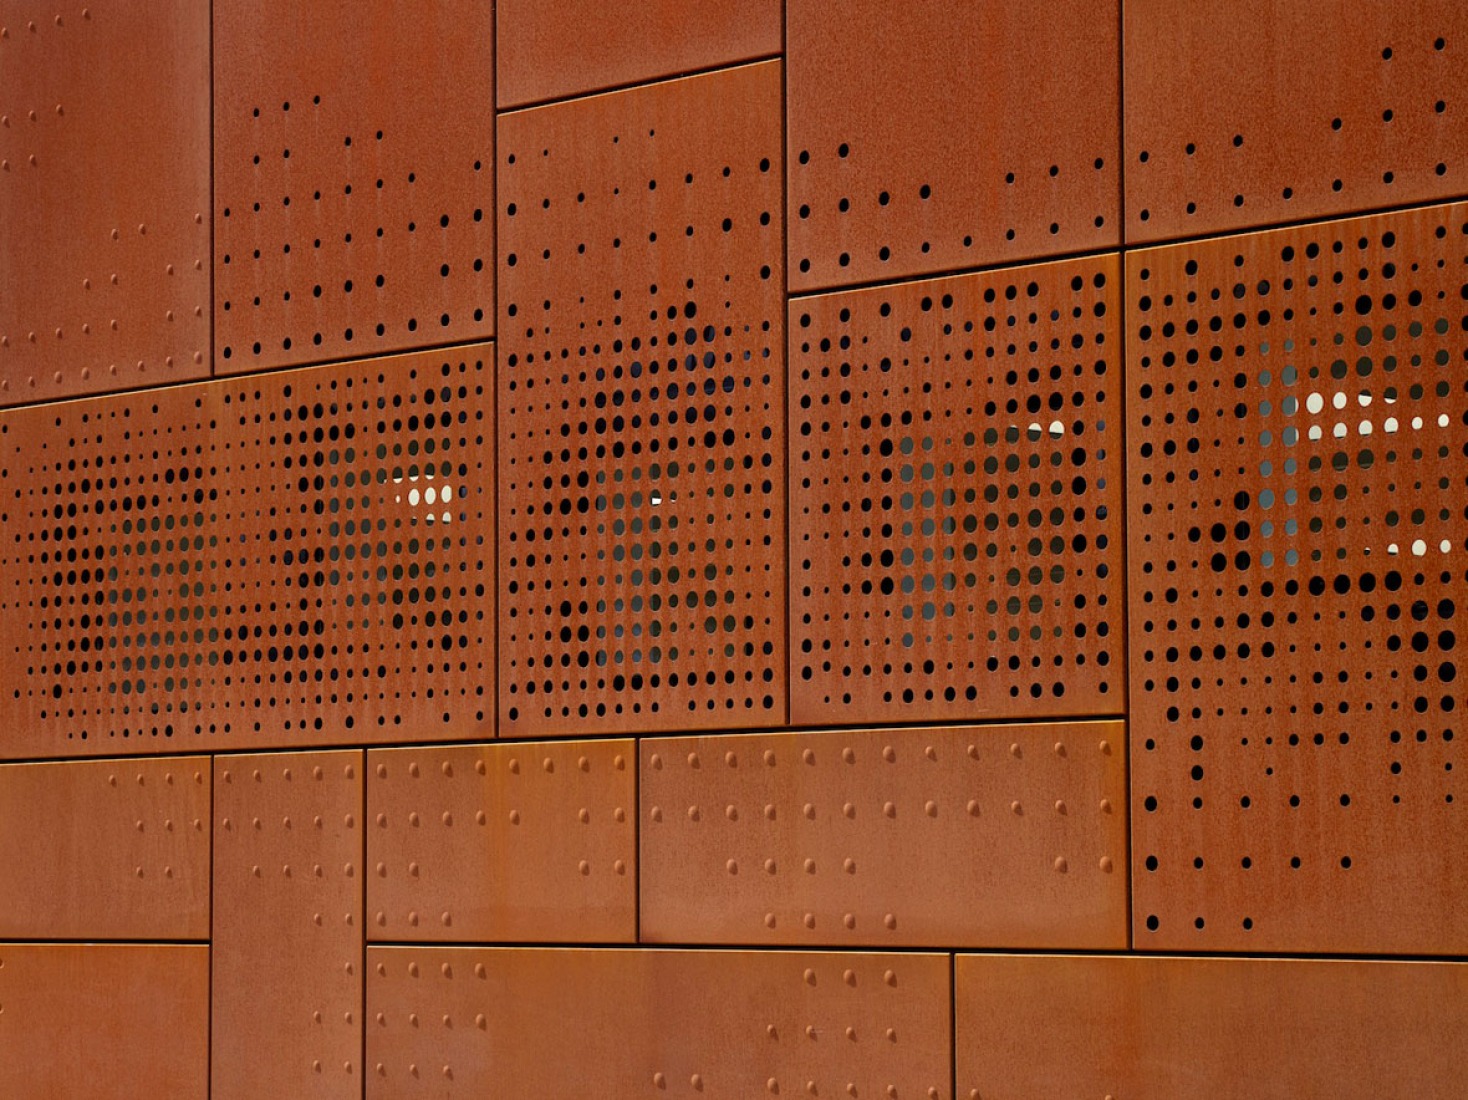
(1036, 1027)
(292, 559)
(988, 836)
(354, 178)
(288, 936)
(109, 1022)
(105, 849)
(642, 389)
(548, 51)
(1297, 535)
(955, 498)
(1244, 112)
(523, 842)
(104, 196)
(564, 1023)
(927, 137)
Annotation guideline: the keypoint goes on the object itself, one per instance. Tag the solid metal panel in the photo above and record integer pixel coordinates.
(927, 137)
(288, 941)
(109, 1022)
(1010, 836)
(1037, 1027)
(562, 1023)
(642, 389)
(105, 849)
(1244, 112)
(104, 197)
(549, 51)
(955, 498)
(503, 842)
(296, 558)
(1297, 539)
(354, 178)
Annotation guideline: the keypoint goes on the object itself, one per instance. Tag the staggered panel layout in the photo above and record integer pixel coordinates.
(740, 549)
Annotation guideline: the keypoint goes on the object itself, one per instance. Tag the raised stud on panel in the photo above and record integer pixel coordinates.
(642, 389)
(1297, 553)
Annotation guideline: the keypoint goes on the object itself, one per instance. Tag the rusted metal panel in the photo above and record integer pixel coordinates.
(105, 849)
(562, 1023)
(1008, 836)
(288, 942)
(642, 389)
(927, 137)
(104, 1020)
(1297, 547)
(1033, 1027)
(354, 178)
(293, 559)
(522, 842)
(104, 197)
(955, 498)
(550, 51)
(1244, 112)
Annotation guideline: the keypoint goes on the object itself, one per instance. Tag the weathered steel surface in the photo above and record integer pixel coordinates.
(354, 178)
(503, 842)
(1036, 1027)
(105, 849)
(926, 137)
(990, 836)
(1244, 112)
(955, 498)
(548, 51)
(288, 939)
(292, 559)
(1298, 540)
(104, 1021)
(104, 196)
(642, 388)
(564, 1023)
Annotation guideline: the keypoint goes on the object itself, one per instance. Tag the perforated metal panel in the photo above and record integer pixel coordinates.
(564, 1023)
(1245, 112)
(928, 137)
(547, 51)
(105, 1021)
(287, 984)
(503, 842)
(1298, 537)
(955, 492)
(299, 558)
(642, 388)
(1006, 835)
(104, 196)
(105, 849)
(1036, 1027)
(354, 178)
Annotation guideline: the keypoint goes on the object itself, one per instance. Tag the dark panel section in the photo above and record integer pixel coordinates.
(104, 197)
(642, 453)
(925, 137)
(955, 494)
(354, 178)
(296, 558)
(1298, 544)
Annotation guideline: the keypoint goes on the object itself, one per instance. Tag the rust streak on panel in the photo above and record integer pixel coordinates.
(503, 842)
(287, 991)
(1297, 550)
(104, 1021)
(298, 558)
(1035, 1027)
(989, 836)
(564, 1023)
(105, 849)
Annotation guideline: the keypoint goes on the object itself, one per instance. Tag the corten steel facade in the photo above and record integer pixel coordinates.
(824, 548)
